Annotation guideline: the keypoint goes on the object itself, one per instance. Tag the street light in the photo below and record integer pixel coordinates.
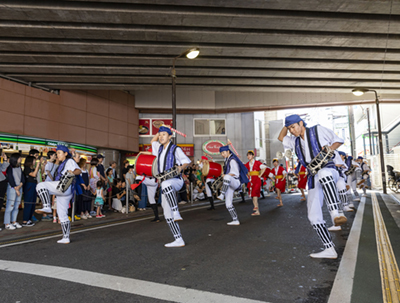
(360, 92)
(190, 53)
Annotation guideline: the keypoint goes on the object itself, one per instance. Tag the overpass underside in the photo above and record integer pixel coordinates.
(254, 55)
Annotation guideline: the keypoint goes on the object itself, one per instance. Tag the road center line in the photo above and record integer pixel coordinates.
(343, 284)
(122, 284)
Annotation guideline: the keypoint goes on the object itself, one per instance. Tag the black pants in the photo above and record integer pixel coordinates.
(182, 194)
(3, 190)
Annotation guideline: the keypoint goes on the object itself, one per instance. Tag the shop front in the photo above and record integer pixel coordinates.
(12, 144)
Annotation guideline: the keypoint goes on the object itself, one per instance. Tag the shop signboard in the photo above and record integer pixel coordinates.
(144, 127)
(211, 147)
(42, 145)
(150, 126)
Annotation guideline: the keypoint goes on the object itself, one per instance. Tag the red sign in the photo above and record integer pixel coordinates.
(188, 149)
(156, 123)
(212, 146)
(144, 127)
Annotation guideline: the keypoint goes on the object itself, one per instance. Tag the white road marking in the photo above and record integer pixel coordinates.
(343, 285)
(126, 285)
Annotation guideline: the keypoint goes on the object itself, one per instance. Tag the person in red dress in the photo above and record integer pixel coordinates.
(256, 169)
(279, 173)
(301, 173)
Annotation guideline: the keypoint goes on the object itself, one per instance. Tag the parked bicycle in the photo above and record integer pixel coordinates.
(394, 178)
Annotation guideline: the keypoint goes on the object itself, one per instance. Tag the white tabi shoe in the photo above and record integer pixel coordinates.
(363, 195)
(63, 241)
(177, 243)
(44, 210)
(335, 228)
(236, 222)
(347, 208)
(351, 205)
(177, 216)
(221, 197)
(329, 253)
(356, 199)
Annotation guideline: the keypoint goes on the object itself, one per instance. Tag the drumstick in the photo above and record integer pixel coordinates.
(230, 143)
(176, 131)
(208, 156)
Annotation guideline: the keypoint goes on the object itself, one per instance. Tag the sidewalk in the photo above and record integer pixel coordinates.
(368, 271)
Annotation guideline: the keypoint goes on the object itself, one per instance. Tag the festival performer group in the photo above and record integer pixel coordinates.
(329, 174)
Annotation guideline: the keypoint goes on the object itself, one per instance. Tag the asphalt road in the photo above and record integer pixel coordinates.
(265, 258)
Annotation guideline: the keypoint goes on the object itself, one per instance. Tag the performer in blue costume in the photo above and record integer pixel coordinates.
(307, 143)
(235, 174)
(45, 189)
(168, 154)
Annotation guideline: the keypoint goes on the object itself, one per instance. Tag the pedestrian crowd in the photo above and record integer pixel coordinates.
(97, 189)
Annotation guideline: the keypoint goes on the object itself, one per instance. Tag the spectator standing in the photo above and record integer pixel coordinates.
(99, 201)
(101, 169)
(51, 166)
(94, 175)
(16, 181)
(35, 153)
(110, 182)
(125, 170)
(85, 199)
(113, 166)
(30, 195)
(3, 180)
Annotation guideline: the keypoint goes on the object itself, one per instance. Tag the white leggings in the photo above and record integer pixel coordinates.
(63, 199)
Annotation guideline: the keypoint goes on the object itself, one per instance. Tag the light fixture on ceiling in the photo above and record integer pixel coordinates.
(192, 53)
(359, 91)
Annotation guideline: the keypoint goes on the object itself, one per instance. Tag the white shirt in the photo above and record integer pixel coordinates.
(325, 136)
(180, 156)
(52, 168)
(364, 167)
(234, 167)
(70, 165)
(338, 160)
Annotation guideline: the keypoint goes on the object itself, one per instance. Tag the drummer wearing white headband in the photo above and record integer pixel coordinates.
(168, 154)
(308, 143)
(45, 189)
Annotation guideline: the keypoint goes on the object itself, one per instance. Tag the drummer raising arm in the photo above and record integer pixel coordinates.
(168, 154)
(307, 143)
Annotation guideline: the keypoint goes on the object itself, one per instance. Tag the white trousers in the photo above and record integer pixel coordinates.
(176, 185)
(315, 199)
(233, 185)
(63, 199)
(352, 181)
(208, 190)
(151, 189)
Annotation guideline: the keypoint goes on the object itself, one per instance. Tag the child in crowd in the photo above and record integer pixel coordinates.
(99, 201)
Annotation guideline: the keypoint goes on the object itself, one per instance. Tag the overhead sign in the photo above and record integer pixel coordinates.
(211, 147)
(150, 126)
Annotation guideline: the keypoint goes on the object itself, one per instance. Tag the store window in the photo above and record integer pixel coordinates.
(207, 127)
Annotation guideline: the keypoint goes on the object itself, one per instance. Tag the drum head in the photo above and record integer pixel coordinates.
(205, 169)
(154, 168)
